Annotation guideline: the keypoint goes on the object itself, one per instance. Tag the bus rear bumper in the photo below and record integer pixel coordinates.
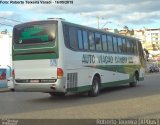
(58, 86)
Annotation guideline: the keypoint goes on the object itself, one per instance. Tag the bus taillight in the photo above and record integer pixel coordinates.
(59, 73)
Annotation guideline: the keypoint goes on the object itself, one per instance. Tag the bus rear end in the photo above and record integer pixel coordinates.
(35, 57)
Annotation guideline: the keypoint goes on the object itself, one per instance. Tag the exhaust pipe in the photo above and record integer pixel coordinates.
(53, 87)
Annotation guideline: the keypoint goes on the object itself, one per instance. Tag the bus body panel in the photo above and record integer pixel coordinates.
(120, 73)
(37, 69)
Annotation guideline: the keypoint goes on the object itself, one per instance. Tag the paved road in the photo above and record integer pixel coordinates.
(142, 101)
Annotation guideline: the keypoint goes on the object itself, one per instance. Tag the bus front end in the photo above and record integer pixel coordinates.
(35, 57)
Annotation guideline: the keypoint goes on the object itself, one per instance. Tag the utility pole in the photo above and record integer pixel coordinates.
(97, 18)
(97, 21)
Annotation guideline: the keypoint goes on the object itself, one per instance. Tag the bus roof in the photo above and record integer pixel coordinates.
(76, 25)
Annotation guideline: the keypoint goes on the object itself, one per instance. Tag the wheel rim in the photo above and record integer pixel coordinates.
(96, 87)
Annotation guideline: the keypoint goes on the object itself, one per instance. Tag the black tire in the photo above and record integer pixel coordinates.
(134, 82)
(95, 87)
(60, 94)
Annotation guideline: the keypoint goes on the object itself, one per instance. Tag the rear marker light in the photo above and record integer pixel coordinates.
(59, 73)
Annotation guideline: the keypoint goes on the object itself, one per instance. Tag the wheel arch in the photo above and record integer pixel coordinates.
(98, 76)
(96, 83)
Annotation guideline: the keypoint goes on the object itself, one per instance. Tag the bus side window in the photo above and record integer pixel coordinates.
(80, 41)
(132, 46)
(128, 46)
(115, 45)
(66, 34)
(73, 38)
(104, 43)
(135, 48)
(120, 47)
(91, 41)
(140, 50)
(124, 46)
(98, 42)
(85, 40)
(110, 44)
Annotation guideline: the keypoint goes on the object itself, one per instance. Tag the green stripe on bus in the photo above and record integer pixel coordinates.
(103, 85)
(115, 83)
(35, 57)
(80, 89)
(19, 46)
(129, 69)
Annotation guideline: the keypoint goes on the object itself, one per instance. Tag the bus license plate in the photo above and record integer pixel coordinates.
(34, 81)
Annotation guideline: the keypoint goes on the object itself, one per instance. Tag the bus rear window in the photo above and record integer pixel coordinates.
(34, 33)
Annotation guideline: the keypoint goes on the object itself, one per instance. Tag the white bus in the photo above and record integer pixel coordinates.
(57, 57)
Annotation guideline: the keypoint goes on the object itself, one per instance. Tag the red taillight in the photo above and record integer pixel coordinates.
(13, 74)
(59, 73)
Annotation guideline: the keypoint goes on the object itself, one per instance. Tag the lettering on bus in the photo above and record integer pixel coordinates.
(119, 59)
(130, 59)
(88, 59)
(105, 59)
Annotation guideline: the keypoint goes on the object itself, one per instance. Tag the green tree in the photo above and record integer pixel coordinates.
(116, 31)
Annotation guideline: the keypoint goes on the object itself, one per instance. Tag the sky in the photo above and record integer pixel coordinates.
(113, 14)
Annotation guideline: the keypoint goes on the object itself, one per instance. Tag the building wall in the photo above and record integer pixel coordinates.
(5, 59)
(153, 43)
(5, 50)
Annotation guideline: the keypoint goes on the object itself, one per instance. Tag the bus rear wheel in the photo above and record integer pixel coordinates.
(95, 87)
